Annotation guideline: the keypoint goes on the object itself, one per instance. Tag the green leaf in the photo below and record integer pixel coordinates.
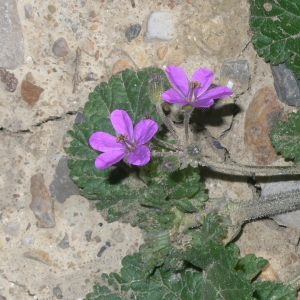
(251, 265)
(222, 275)
(276, 25)
(163, 284)
(274, 290)
(117, 185)
(285, 137)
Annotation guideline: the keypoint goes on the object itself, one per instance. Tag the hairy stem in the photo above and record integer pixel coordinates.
(167, 122)
(166, 144)
(239, 169)
(295, 282)
(264, 207)
(187, 116)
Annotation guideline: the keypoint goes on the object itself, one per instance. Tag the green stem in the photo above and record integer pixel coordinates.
(187, 116)
(167, 122)
(247, 170)
(167, 145)
(264, 207)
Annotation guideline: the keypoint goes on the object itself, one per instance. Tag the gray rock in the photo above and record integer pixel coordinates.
(62, 187)
(133, 31)
(28, 10)
(80, 118)
(286, 85)
(238, 70)
(60, 47)
(29, 240)
(88, 235)
(11, 37)
(291, 219)
(160, 27)
(57, 292)
(118, 236)
(12, 228)
(103, 248)
(64, 244)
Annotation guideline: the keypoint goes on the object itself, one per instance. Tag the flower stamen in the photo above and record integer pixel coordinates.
(122, 138)
(192, 97)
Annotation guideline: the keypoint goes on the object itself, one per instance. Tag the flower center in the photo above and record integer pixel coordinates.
(122, 138)
(192, 97)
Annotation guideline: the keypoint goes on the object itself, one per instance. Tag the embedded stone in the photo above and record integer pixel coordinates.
(57, 292)
(132, 32)
(286, 85)
(162, 51)
(39, 255)
(88, 46)
(28, 10)
(62, 187)
(64, 244)
(12, 228)
(52, 8)
(11, 37)
(118, 236)
(120, 65)
(237, 70)
(88, 235)
(42, 204)
(160, 27)
(259, 125)
(60, 47)
(30, 92)
(9, 79)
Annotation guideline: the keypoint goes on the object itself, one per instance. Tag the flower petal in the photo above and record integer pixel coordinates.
(121, 122)
(173, 96)
(140, 156)
(205, 77)
(216, 93)
(144, 131)
(103, 141)
(178, 79)
(108, 159)
(203, 103)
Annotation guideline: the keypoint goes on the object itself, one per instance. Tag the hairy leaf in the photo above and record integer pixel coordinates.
(274, 290)
(285, 137)
(218, 275)
(127, 90)
(130, 284)
(275, 25)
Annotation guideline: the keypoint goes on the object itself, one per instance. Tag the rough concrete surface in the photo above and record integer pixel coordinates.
(207, 33)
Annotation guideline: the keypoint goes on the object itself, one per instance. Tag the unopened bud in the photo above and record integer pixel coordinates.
(155, 89)
(171, 163)
(193, 150)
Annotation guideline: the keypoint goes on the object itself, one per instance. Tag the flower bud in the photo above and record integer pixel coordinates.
(193, 150)
(155, 89)
(171, 163)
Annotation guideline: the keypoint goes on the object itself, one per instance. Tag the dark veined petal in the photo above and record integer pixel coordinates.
(122, 123)
(144, 131)
(140, 156)
(173, 96)
(108, 159)
(205, 77)
(178, 79)
(103, 141)
(216, 93)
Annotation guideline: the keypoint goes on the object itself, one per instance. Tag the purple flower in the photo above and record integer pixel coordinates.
(129, 142)
(195, 92)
